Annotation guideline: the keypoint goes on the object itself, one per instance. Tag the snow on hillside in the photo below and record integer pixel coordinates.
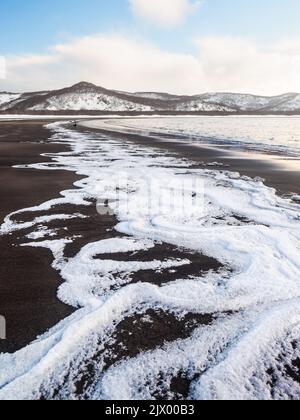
(88, 97)
(292, 105)
(5, 98)
(199, 105)
(155, 95)
(16, 99)
(243, 102)
(88, 102)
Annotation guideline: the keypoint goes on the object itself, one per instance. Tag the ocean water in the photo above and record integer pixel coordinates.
(268, 133)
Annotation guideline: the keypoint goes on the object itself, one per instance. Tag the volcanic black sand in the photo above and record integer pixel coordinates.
(28, 283)
(278, 172)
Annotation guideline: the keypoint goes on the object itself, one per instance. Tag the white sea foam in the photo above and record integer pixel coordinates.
(281, 134)
(241, 222)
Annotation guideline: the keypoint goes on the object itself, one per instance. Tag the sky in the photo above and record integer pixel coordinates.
(178, 46)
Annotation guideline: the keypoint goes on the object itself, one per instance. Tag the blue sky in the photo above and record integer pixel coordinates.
(34, 27)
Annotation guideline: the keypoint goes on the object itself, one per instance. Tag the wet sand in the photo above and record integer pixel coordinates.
(279, 173)
(28, 283)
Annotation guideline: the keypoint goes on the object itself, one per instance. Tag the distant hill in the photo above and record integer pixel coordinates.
(89, 97)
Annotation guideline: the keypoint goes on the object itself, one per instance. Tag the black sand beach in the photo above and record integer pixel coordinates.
(28, 283)
(276, 170)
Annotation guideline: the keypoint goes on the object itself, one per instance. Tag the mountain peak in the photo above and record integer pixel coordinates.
(85, 96)
(83, 85)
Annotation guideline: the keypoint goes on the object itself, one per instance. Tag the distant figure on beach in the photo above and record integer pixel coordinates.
(74, 123)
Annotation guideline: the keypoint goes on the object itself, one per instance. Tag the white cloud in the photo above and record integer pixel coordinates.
(234, 64)
(219, 64)
(109, 60)
(164, 12)
(2, 68)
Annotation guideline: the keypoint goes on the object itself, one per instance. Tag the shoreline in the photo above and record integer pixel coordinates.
(100, 260)
(150, 114)
(275, 169)
(22, 188)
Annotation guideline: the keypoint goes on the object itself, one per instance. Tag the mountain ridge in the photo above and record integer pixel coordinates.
(85, 96)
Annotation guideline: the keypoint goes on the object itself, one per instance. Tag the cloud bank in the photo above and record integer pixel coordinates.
(113, 61)
(164, 12)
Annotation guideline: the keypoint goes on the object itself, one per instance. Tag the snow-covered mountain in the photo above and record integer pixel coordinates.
(6, 98)
(244, 102)
(290, 105)
(9, 101)
(87, 101)
(199, 104)
(88, 97)
(157, 95)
